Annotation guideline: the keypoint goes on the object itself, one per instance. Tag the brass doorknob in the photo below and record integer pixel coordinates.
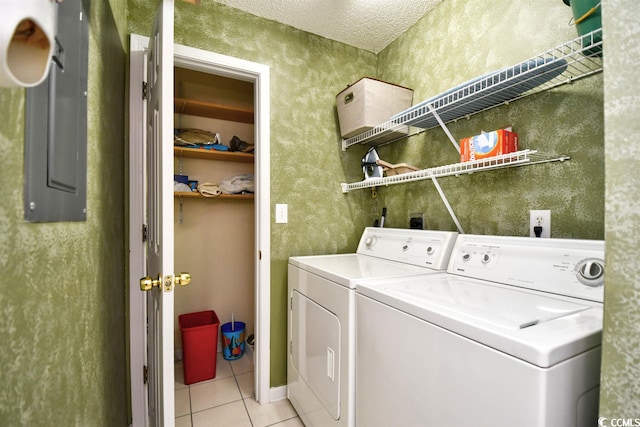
(147, 283)
(183, 279)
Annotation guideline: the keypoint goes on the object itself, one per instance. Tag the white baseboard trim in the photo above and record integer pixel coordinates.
(277, 393)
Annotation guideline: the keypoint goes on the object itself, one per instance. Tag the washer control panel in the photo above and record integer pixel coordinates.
(480, 257)
(562, 266)
(424, 248)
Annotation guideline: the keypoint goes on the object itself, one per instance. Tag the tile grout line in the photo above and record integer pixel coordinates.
(242, 397)
(190, 407)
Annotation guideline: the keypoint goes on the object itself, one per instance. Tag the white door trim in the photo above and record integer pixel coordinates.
(259, 74)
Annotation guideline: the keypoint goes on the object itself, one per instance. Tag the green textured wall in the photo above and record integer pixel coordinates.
(620, 387)
(307, 164)
(464, 39)
(62, 298)
(62, 293)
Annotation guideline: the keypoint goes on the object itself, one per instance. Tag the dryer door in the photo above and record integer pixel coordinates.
(315, 350)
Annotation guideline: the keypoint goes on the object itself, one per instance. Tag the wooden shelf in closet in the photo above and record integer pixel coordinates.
(201, 153)
(196, 195)
(211, 110)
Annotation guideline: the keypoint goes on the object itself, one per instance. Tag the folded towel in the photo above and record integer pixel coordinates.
(208, 189)
(238, 184)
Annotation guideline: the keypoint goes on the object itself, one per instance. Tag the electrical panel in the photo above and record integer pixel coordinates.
(55, 159)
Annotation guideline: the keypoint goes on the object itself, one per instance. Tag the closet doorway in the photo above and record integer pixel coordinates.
(195, 66)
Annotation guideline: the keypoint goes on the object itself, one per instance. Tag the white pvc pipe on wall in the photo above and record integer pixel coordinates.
(27, 40)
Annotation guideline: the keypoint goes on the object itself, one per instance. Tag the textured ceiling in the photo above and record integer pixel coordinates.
(366, 24)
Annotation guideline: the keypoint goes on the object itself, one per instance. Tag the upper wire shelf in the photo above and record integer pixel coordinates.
(518, 158)
(573, 60)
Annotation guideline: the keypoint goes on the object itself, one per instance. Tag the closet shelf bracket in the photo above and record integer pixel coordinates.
(444, 127)
(447, 205)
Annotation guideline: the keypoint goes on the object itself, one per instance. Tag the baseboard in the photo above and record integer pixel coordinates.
(277, 393)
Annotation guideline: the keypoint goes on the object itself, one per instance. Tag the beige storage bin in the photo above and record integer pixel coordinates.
(369, 103)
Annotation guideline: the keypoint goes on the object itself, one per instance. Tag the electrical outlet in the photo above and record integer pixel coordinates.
(416, 221)
(540, 218)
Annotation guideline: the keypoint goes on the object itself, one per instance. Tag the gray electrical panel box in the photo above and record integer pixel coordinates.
(55, 156)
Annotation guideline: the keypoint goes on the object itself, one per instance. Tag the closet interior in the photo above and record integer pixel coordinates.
(214, 236)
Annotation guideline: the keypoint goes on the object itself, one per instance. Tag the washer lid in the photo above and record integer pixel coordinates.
(536, 327)
(348, 269)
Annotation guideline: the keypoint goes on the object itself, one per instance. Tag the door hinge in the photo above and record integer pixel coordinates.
(144, 232)
(145, 374)
(145, 90)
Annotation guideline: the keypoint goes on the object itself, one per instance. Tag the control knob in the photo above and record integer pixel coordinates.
(591, 272)
(370, 241)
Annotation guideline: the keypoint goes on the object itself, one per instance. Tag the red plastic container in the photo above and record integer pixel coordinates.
(199, 345)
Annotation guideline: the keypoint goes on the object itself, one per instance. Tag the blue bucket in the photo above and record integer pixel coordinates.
(232, 340)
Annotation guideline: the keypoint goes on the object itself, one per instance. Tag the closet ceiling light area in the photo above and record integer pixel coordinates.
(349, 22)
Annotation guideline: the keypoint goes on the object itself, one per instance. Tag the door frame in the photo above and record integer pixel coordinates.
(213, 63)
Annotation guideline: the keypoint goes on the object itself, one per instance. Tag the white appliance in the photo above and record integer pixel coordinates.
(321, 289)
(510, 336)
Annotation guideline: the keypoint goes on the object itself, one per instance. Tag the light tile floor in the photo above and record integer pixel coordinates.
(228, 400)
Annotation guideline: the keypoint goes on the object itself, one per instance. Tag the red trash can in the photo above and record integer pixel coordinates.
(199, 345)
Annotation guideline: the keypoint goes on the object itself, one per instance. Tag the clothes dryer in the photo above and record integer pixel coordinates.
(509, 336)
(321, 335)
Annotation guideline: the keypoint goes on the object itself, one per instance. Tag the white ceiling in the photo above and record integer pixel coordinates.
(366, 24)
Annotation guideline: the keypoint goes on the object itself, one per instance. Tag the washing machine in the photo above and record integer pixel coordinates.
(321, 335)
(509, 336)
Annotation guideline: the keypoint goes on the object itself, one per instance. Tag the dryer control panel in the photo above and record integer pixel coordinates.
(567, 267)
(424, 248)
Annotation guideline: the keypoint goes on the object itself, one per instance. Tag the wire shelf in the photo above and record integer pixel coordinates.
(573, 60)
(518, 158)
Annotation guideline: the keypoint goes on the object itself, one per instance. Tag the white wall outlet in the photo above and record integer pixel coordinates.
(540, 218)
(281, 213)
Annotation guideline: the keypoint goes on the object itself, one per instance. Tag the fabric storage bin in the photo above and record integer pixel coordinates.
(369, 103)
